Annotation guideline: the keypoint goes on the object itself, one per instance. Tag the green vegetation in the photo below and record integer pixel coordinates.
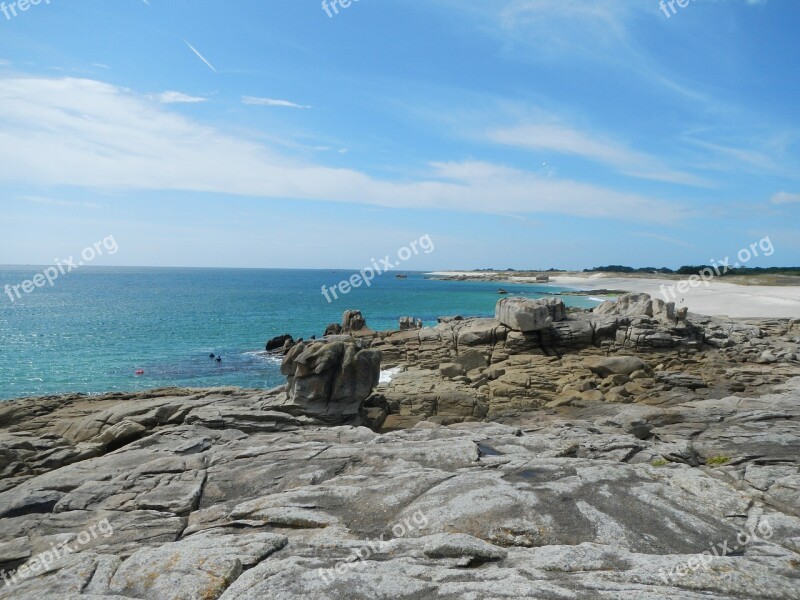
(794, 271)
(624, 269)
(659, 462)
(718, 460)
(697, 269)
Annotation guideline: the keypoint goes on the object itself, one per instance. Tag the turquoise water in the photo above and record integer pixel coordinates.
(96, 327)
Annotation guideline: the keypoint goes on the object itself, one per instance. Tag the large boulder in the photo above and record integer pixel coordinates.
(639, 305)
(329, 380)
(353, 320)
(522, 314)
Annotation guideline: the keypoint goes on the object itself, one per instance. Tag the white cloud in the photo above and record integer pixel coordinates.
(732, 158)
(89, 134)
(785, 198)
(252, 100)
(566, 140)
(54, 202)
(177, 98)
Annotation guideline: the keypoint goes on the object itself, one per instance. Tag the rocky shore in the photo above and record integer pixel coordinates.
(632, 452)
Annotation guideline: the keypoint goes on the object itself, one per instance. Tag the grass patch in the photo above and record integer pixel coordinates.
(659, 462)
(718, 460)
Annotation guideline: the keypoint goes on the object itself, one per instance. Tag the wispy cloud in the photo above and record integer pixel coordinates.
(177, 98)
(736, 158)
(200, 56)
(785, 198)
(255, 101)
(53, 202)
(597, 148)
(330, 149)
(80, 132)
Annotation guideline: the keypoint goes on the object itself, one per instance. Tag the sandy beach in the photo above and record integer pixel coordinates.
(714, 298)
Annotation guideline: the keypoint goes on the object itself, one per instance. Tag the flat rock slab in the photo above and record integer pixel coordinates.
(222, 496)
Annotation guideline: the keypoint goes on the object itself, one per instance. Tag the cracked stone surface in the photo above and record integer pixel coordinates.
(218, 494)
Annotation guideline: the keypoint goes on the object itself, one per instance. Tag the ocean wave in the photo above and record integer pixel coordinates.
(262, 355)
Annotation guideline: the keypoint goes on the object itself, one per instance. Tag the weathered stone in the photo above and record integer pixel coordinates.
(353, 320)
(609, 492)
(471, 359)
(329, 380)
(200, 566)
(615, 365)
(410, 323)
(521, 314)
(451, 370)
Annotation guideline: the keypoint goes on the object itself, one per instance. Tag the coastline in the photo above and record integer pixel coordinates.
(470, 424)
(714, 298)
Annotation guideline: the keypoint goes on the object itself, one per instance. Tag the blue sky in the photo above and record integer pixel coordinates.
(515, 133)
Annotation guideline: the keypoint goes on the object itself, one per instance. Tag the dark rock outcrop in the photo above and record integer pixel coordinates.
(279, 342)
(333, 329)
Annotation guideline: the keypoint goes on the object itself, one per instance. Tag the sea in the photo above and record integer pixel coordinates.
(103, 329)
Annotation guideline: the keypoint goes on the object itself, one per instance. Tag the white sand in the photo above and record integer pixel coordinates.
(716, 298)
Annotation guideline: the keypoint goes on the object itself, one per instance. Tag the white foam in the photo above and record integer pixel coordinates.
(388, 375)
(265, 356)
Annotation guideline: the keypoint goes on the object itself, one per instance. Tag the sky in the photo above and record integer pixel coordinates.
(523, 134)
